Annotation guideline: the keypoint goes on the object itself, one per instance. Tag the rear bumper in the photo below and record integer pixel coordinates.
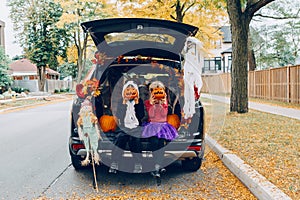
(175, 155)
(176, 150)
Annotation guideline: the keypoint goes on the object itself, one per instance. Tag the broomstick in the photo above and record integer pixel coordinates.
(95, 184)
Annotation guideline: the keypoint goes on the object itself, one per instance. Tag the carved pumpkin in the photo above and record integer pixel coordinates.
(108, 123)
(158, 93)
(174, 120)
(130, 93)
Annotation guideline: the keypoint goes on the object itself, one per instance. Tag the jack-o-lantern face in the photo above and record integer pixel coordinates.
(130, 93)
(158, 93)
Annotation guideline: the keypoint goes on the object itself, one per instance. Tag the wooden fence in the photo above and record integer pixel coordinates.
(281, 84)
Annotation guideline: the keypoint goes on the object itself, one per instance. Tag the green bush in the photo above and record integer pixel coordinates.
(20, 89)
(56, 91)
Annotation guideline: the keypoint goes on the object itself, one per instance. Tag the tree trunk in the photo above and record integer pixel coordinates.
(251, 60)
(41, 78)
(179, 12)
(251, 55)
(81, 56)
(240, 19)
(239, 73)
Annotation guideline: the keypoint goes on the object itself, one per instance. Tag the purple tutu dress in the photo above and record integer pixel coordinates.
(158, 125)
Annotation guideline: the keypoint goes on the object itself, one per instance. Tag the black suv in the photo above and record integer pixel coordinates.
(142, 50)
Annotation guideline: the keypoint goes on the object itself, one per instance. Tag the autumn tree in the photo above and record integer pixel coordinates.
(208, 16)
(5, 79)
(43, 42)
(240, 15)
(277, 42)
(74, 13)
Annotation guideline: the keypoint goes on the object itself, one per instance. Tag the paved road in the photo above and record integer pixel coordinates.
(33, 148)
(35, 163)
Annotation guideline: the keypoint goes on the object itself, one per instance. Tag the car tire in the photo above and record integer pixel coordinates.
(76, 162)
(191, 165)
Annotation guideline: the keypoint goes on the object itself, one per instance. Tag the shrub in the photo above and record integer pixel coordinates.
(20, 90)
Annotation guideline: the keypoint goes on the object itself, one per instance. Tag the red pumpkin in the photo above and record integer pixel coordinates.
(173, 120)
(108, 123)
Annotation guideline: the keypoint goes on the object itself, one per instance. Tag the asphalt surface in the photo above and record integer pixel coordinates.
(33, 150)
(35, 163)
(44, 170)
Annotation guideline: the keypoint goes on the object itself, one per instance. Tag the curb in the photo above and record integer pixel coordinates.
(255, 182)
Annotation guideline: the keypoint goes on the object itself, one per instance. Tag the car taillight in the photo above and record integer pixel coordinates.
(76, 147)
(194, 148)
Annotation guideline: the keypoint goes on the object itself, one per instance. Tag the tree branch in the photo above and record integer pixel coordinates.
(275, 17)
(253, 7)
(191, 5)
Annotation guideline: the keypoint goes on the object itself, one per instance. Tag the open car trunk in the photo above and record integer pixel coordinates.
(136, 36)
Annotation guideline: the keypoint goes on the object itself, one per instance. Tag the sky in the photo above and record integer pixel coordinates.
(11, 47)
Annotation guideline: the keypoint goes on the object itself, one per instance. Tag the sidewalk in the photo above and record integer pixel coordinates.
(39, 97)
(255, 182)
(277, 110)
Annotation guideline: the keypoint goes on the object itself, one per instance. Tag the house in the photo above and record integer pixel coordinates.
(220, 62)
(2, 41)
(25, 70)
(24, 74)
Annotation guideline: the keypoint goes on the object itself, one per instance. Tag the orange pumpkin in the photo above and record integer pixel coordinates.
(173, 120)
(158, 93)
(108, 123)
(130, 93)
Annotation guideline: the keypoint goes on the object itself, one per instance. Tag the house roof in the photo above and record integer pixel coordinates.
(229, 50)
(51, 71)
(25, 67)
(226, 34)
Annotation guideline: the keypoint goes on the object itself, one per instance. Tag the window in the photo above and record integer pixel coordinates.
(160, 38)
(212, 64)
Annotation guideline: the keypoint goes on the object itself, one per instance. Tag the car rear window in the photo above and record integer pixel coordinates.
(151, 37)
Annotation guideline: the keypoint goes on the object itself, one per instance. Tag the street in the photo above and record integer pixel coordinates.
(34, 152)
(36, 164)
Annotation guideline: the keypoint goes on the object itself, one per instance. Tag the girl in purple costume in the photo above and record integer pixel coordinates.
(158, 130)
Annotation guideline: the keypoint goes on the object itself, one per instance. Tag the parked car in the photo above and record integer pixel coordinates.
(142, 50)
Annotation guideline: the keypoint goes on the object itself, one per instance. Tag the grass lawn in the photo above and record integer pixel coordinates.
(268, 142)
